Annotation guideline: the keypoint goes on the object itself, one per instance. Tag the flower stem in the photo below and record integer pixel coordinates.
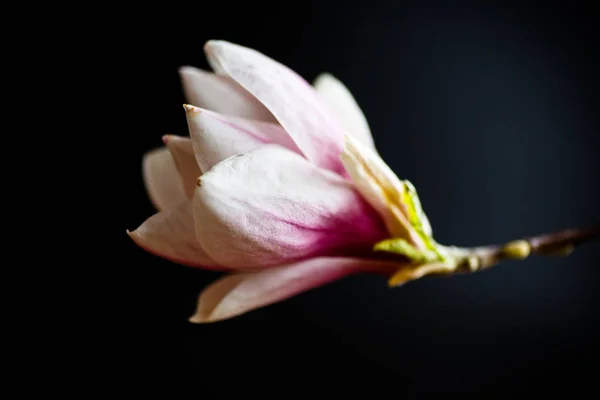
(557, 244)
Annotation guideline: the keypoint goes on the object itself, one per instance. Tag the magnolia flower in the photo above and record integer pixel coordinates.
(280, 185)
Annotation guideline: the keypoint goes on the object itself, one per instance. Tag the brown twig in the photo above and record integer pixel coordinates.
(560, 243)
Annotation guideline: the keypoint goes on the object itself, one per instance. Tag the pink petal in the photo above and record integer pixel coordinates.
(221, 94)
(170, 234)
(288, 96)
(239, 293)
(182, 151)
(162, 179)
(216, 137)
(343, 105)
(270, 205)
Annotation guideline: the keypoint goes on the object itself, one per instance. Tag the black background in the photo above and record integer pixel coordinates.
(491, 111)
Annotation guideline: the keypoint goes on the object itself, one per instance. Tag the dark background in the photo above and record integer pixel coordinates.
(491, 111)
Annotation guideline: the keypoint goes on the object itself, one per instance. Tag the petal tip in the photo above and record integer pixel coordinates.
(191, 110)
(348, 139)
(201, 316)
(135, 236)
(323, 78)
(348, 144)
(215, 48)
(400, 277)
(211, 317)
(395, 282)
(197, 319)
(187, 70)
(132, 234)
(212, 43)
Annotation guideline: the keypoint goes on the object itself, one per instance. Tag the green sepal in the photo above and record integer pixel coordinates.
(416, 216)
(419, 222)
(404, 248)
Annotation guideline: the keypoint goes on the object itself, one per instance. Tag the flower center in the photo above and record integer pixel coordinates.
(396, 201)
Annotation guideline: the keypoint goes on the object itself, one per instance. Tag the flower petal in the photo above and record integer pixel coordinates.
(380, 187)
(216, 137)
(270, 206)
(182, 152)
(288, 96)
(239, 293)
(170, 234)
(344, 106)
(221, 94)
(162, 179)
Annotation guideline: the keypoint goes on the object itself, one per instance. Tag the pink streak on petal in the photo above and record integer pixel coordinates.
(216, 137)
(270, 206)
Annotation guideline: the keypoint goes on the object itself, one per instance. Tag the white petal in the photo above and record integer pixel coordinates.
(270, 206)
(240, 293)
(221, 94)
(344, 106)
(162, 179)
(292, 100)
(216, 137)
(170, 234)
(182, 152)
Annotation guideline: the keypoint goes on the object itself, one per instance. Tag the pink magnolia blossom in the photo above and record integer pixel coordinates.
(279, 184)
